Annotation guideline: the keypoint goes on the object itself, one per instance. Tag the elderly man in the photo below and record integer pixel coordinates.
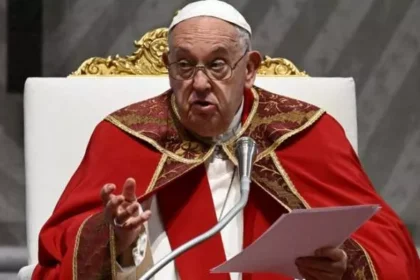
(160, 172)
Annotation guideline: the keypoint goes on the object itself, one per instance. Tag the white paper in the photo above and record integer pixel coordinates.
(298, 234)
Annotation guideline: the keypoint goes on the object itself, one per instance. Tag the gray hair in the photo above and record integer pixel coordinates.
(244, 39)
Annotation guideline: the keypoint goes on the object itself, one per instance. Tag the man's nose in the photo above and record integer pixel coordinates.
(200, 80)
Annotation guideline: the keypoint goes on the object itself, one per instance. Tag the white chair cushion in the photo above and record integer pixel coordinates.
(25, 273)
(61, 113)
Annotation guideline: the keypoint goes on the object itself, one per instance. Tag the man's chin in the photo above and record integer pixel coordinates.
(205, 131)
(205, 128)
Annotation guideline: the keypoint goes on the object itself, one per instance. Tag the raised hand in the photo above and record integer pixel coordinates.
(123, 213)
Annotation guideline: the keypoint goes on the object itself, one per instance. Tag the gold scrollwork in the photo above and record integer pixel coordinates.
(279, 67)
(147, 60)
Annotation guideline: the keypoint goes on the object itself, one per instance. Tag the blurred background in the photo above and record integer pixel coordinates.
(377, 42)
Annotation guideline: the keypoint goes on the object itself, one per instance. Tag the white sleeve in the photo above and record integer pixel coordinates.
(139, 253)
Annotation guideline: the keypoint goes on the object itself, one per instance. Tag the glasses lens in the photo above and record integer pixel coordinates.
(182, 72)
(219, 73)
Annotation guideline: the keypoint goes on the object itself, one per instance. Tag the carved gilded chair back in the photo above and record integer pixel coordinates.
(147, 60)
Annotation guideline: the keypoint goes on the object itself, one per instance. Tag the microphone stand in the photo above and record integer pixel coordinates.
(246, 150)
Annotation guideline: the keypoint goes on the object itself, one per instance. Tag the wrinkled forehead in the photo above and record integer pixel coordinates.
(204, 34)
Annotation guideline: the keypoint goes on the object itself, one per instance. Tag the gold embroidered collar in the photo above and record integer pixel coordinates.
(273, 119)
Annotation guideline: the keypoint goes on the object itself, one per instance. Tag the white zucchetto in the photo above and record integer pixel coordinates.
(211, 8)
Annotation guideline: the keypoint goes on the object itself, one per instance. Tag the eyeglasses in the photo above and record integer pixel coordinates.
(217, 70)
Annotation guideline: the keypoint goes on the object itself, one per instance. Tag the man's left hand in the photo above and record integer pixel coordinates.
(327, 264)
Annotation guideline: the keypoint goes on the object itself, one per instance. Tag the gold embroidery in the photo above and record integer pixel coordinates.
(175, 107)
(249, 120)
(266, 173)
(189, 148)
(277, 119)
(228, 146)
(369, 260)
(360, 273)
(359, 265)
(112, 248)
(230, 154)
(156, 145)
(76, 247)
(286, 136)
(168, 172)
(286, 178)
(157, 173)
(293, 116)
(134, 118)
(171, 171)
(255, 180)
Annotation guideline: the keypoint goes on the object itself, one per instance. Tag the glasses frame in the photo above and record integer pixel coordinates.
(203, 68)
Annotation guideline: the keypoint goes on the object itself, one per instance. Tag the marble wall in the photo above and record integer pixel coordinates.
(12, 179)
(12, 192)
(3, 33)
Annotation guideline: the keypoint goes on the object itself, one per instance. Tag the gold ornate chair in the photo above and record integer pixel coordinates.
(76, 105)
(147, 60)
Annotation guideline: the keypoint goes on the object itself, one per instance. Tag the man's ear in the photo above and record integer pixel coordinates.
(165, 58)
(254, 62)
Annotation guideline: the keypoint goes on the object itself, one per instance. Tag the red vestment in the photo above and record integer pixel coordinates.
(304, 161)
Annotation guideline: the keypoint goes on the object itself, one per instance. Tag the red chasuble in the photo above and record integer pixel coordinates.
(304, 160)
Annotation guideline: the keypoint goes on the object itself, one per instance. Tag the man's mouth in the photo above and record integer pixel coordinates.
(202, 103)
(203, 107)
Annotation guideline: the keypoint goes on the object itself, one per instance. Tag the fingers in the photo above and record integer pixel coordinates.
(129, 190)
(127, 212)
(106, 192)
(307, 274)
(320, 264)
(137, 221)
(334, 254)
(112, 205)
(123, 207)
(323, 266)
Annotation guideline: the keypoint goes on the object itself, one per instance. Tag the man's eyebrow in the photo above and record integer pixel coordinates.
(179, 49)
(184, 50)
(220, 49)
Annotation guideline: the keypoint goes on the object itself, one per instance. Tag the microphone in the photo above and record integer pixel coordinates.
(245, 152)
